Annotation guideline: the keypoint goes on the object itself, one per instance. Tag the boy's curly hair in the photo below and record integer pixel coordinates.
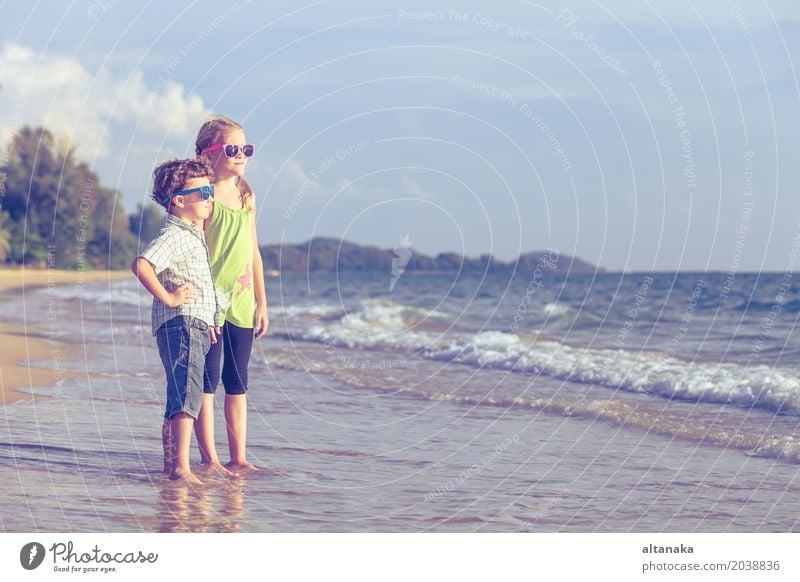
(171, 176)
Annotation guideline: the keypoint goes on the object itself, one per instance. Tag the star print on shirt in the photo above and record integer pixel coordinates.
(246, 280)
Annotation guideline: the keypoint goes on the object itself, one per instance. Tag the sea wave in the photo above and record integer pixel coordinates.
(557, 310)
(312, 310)
(392, 326)
(560, 315)
(782, 447)
(378, 323)
(646, 372)
(117, 292)
(700, 425)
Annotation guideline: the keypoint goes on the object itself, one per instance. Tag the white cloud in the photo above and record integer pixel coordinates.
(293, 178)
(416, 189)
(97, 110)
(345, 185)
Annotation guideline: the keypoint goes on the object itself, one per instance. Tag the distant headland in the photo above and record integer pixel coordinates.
(323, 254)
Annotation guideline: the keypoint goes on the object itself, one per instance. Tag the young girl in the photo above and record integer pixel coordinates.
(238, 273)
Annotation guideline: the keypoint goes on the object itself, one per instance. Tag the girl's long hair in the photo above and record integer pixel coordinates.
(210, 133)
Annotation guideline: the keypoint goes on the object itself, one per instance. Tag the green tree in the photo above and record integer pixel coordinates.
(31, 193)
(113, 245)
(146, 222)
(61, 213)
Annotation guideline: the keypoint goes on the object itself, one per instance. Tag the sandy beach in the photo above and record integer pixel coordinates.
(18, 344)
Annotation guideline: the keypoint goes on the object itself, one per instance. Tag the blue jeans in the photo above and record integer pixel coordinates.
(183, 342)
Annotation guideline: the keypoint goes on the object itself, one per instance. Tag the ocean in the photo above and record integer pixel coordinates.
(496, 402)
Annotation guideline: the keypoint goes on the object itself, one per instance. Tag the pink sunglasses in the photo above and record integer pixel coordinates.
(232, 149)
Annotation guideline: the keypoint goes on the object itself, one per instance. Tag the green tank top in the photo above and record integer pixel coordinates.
(230, 250)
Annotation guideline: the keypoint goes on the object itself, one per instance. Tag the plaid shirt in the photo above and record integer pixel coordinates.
(179, 255)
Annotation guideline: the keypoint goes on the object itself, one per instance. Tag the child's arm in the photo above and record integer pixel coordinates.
(146, 274)
(260, 319)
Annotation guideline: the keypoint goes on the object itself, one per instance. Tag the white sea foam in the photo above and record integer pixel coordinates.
(388, 314)
(379, 323)
(321, 310)
(389, 325)
(120, 292)
(648, 372)
(557, 310)
(559, 316)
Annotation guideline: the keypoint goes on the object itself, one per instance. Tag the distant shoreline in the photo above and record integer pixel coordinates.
(18, 343)
(29, 277)
(326, 254)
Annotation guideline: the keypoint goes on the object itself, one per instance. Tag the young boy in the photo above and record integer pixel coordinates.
(174, 269)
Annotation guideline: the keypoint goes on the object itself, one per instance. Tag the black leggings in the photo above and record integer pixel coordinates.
(237, 343)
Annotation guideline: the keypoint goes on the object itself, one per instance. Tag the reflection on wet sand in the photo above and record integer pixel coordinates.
(183, 508)
(231, 508)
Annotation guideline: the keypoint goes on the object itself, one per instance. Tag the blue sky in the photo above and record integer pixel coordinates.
(648, 135)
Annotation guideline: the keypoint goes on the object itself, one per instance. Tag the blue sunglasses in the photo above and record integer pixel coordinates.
(206, 192)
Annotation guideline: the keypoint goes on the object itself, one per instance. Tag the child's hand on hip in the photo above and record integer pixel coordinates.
(182, 294)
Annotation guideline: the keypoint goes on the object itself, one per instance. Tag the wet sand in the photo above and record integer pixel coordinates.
(17, 344)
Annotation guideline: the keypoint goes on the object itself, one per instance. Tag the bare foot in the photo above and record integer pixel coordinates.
(186, 475)
(243, 466)
(220, 468)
